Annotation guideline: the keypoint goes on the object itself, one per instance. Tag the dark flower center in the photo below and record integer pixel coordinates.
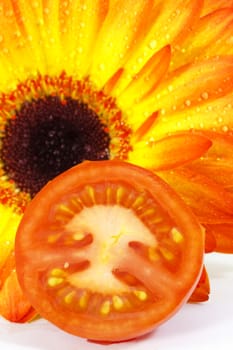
(48, 136)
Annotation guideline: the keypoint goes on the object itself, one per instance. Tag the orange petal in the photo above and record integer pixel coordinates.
(210, 5)
(210, 202)
(223, 235)
(217, 163)
(202, 290)
(210, 241)
(13, 304)
(212, 35)
(144, 128)
(169, 152)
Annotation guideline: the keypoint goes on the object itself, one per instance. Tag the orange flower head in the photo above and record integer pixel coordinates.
(147, 82)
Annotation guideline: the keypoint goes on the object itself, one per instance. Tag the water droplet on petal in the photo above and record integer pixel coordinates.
(187, 103)
(170, 88)
(205, 95)
(102, 66)
(152, 44)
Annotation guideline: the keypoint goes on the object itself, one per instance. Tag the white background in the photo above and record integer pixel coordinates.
(206, 326)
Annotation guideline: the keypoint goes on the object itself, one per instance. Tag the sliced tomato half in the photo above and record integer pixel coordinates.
(108, 251)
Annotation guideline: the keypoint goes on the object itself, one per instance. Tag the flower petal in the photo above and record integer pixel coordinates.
(146, 80)
(116, 38)
(22, 36)
(171, 25)
(188, 96)
(217, 163)
(202, 290)
(210, 202)
(212, 36)
(139, 28)
(13, 48)
(169, 152)
(210, 5)
(9, 224)
(223, 234)
(13, 305)
(80, 22)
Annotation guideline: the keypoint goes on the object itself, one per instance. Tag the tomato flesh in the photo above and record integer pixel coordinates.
(107, 251)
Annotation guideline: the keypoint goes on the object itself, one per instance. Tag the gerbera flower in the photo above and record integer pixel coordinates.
(149, 82)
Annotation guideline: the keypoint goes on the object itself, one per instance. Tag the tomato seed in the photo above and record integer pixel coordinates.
(176, 235)
(105, 307)
(69, 297)
(55, 281)
(118, 303)
(141, 294)
(83, 300)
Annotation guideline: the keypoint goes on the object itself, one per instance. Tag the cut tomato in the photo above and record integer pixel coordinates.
(108, 251)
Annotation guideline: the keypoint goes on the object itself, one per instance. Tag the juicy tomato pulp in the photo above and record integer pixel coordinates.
(107, 251)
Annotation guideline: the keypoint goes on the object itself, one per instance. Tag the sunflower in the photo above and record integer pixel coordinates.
(147, 82)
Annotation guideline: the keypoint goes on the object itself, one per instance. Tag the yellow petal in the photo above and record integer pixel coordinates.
(116, 38)
(163, 24)
(146, 80)
(80, 22)
(194, 84)
(187, 89)
(9, 224)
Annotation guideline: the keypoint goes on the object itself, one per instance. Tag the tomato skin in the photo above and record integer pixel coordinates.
(146, 308)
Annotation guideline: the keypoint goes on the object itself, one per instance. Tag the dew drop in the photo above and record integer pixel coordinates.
(170, 88)
(35, 4)
(205, 95)
(163, 111)
(9, 13)
(187, 103)
(66, 265)
(80, 49)
(140, 60)
(102, 66)
(5, 50)
(225, 128)
(152, 44)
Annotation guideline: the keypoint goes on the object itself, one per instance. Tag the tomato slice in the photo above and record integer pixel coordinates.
(108, 251)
